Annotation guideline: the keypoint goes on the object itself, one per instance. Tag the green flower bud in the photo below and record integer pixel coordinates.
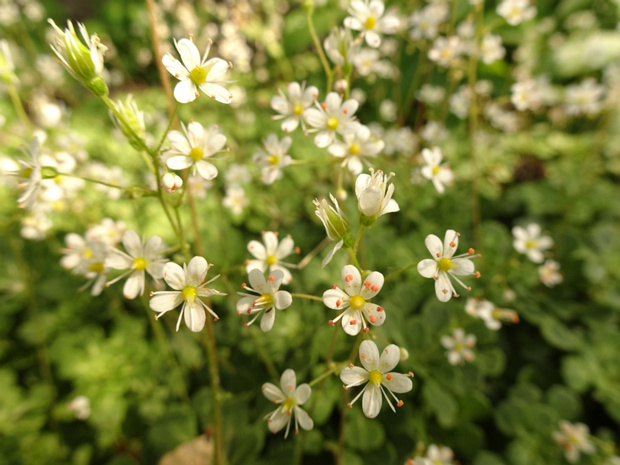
(130, 120)
(336, 225)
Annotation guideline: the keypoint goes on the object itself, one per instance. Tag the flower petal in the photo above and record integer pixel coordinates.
(257, 281)
(273, 393)
(304, 419)
(302, 394)
(189, 53)
(398, 383)
(352, 322)
(335, 299)
(165, 302)
(197, 270)
(389, 358)
(194, 315)
(217, 93)
(353, 376)
(351, 280)
(288, 382)
(179, 162)
(206, 170)
(369, 355)
(174, 276)
(271, 242)
(282, 300)
(185, 91)
(371, 401)
(372, 285)
(427, 268)
(268, 319)
(132, 244)
(434, 246)
(134, 286)
(374, 316)
(443, 288)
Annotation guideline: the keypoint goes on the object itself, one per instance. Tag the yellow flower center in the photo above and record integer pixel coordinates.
(58, 179)
(26, 172)
(332, 123)
(288, 404)
(189, 293)
(265, 300)
(355, 149)
(196, 153)
(436, 170)
(531, 244)
(273, 159)
(445, 264)
(96, 267)
(370, 22)
(198, 75)
(87, 254)
(271, 260)
(375, 377)
(139, 264)
(458, 347)
(298, 109)
(357, 302)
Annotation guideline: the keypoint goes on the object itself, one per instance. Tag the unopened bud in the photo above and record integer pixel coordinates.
(336, 225)
(130, 120)
(404, 354)
(341, 85)
(170, 182)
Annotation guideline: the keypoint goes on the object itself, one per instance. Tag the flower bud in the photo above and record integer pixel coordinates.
(170, 182)
(341, 85)
(83, 62)
(7, 68)
(374, 196)
(404, 354)
(336, 225)
(130, 121)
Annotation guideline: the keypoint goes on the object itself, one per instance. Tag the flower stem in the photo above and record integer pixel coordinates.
(354, 259)
(19, 107)
(218, 448)
(335, 367)
(402, 270)
(163, 76)
(317, 43)
(307, 296)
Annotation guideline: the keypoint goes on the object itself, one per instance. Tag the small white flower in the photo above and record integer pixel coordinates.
(440, 174)
(270, 298)
(7, 67)
(368, 17)
(80, 406)
(574, 438)
(585, 98)
(374, 196)
(378, 378)
(336, 225)
(188, 284)
(141, 256)
(270, 255)
(491, 314)
(516, 11)
(525, 95)
(291, 108)
(444, 264)
(170, 182)
(425, 22)
(237, 175)
(290, 397)
(235, 199)
(30, 175)
(440, 455)
(330, 118)
(192, 148)
(353, 301)
(109, 232)
(491, 48)
(86, 257)
(340, 46)
(459, 346)
(195, 73)
(355, 148)
(445, 50)
(273, 157)
(550, 273)
(529, 241)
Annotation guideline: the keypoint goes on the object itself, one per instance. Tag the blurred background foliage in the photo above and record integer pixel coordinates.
(147, 385)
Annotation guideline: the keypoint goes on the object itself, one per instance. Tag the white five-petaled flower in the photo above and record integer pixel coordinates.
(445, 50)
(516, 11)
(459, 346)
(529, 241)
(195, 73)
(291, 108)
(355, 147)
(368, 17)
(332, 117)
(188, 284)
(141, 256)
(574, 438)
(491, 314)
(376, 374)
(30, 175)
(270, 255)
(290, 397)
(374, 196)
(440, 174)
(340, 46)
(444, 264)
(550, 274)
(192, 148)
(269, 298)
(336, 225)
(86, 257)
(273, 157)
(353, 300)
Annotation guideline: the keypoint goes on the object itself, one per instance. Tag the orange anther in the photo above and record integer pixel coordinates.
(452, 244)
(379, 309)
(271, 278)
(471, 251)
(400, 403)
(367, 284)
(348, 278)
(375, 288)
(388, 377)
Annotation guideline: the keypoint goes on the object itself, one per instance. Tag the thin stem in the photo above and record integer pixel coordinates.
(163, 76)
(335, 367)
(321, 245)
(354, 258)
(317, 43)
(397, 272)
(170, 123)
(307, 296)
(263, 355)
(218, 448)
(19, 107)
(95, 181)
(195, 223)
(358, 238)
(120, 117)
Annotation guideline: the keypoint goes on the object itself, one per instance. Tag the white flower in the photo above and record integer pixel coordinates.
(574, 438)
(170, 182)
(529, 241)
(585, 98)
(7, 67)
(374, 196)
(271, 254)
(80, 406)
(354, 300)
(425, 23)
(491, 314)
(459, 346)
(188, 284)
(368, 17)
(30, 175)
(444, 265)
(440, 455)
(550, 273)
(525, 95)
(289, 398)
(235, 199)
(445, 50)
(109, 232)
(355, 147)
(141, 256)
(491, 48)
(86, 257)
(195, 73)
(273, 157)
(237, 175)
(340, 47)
(336, 225)
(378, 377)
(516, 11)
(440, 174)
(192, 148)
(331, 117)
(270, 298)
(291, 108)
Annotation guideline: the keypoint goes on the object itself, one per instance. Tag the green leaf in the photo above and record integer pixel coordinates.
(441, 402)
(363, 433)
(577, 372)
(559, 335)
(565, 402)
